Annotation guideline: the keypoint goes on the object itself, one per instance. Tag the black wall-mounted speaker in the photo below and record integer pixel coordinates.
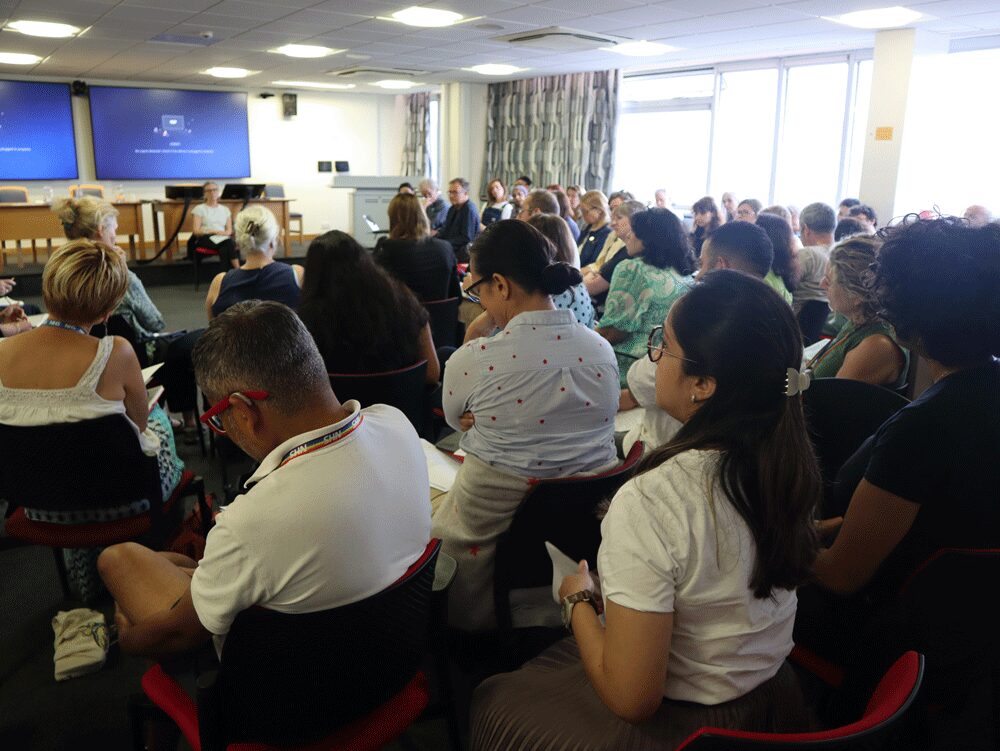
(289, 105)
(79, 88)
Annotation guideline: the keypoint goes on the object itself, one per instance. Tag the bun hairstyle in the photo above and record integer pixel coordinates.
(255, 229)
(83, 218)
(524, 255)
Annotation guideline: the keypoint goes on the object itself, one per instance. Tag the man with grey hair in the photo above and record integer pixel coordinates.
(435, 206)
(461, 223)
(978, 216)
(818, 222)
(319, 525)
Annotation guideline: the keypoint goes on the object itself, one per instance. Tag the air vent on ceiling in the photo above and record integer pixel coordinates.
(205, 39)
(561, 39)
(361, 71)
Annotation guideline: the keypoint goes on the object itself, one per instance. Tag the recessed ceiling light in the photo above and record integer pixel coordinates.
(305, 50)
(227, 72)
(18, 58)
(640, 49)
(311, 85)
(394, 83)
(877, 18)
(43, 28)
(495, 69)
(429, 17)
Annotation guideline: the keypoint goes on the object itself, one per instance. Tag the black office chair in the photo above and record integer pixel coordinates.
(841, 414)
(561, 511)
(445, 327)
(404, 389)
(348, 676)
(811, 318)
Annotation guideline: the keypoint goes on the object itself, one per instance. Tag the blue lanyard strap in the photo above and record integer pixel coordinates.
(62, 325)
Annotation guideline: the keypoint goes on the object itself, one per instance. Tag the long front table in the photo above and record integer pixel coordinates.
(172, 210)
(20, 222)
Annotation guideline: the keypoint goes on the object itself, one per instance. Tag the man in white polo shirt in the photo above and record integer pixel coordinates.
(324, 521)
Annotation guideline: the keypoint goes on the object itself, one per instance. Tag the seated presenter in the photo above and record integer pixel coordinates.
(319, 525)
(212, 228)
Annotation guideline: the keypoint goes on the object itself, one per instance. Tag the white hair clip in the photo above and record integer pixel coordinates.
(796, 382)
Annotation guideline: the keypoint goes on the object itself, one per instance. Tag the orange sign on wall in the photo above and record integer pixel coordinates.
(883, 133)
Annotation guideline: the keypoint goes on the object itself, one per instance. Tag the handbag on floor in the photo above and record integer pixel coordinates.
(81, 642)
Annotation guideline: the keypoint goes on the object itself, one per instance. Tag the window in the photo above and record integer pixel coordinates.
(950, 149)
(743, 145)
(859, 129)
(809, 153)
(666, 150)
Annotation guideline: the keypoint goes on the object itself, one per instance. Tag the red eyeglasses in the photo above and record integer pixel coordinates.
(213, 418)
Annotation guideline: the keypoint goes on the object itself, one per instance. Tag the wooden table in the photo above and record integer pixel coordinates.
(37, 221)
(172, 210)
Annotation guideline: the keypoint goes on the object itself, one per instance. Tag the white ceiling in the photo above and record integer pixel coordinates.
(116, 46)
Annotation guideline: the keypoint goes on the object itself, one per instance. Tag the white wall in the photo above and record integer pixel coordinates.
(365, 129)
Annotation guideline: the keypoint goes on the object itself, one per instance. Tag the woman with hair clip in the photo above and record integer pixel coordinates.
(701, 553)
(537, 400)
(363, 319)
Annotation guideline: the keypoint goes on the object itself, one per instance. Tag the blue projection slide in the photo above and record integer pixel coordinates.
(162, 134)
(36, 132)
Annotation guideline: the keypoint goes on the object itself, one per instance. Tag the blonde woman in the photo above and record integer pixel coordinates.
(212, 227)
(91, 218)
(260, 277)
(424, 264)
(597, 217)
(59, 373)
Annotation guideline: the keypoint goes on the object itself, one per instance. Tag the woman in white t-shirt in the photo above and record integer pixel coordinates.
(701, 553)
(212, 228)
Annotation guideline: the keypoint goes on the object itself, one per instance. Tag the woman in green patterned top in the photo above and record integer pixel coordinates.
(865, 348)
(645, 286)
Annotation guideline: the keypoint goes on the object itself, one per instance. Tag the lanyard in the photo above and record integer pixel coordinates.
(61, 325)
(322, 442)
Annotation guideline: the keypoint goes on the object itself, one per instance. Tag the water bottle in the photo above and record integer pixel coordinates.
(119, 193)
(47, 194)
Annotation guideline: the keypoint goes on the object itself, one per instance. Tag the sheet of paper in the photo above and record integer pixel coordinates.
(153, 396)
(441, 468)
(38, 320)
(562, 566)
(630, 418)
(810, 352)
(147, 373)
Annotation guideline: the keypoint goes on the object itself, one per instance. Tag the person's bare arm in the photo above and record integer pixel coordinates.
(299, 273)
(596, 284)
(228, 231)
(482, 325)
(626, 401)
(625, 661)
(875, 523)
(613, 335)
(125, 369)
(196, 224)
(213, 295)
(427, 352)
(876, 360)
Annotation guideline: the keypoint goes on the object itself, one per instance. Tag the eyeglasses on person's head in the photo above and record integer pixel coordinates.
(213, 418)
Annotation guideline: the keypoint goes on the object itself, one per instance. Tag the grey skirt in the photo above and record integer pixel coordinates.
(550, 704)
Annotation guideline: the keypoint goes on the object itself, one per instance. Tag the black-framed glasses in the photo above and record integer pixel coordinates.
(468, 290)
(657, 348)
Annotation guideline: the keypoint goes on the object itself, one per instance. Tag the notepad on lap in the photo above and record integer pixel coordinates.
(148, 373)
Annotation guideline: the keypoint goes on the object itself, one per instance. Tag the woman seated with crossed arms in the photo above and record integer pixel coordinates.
(700, 558)
(929, 477)
(537, 400)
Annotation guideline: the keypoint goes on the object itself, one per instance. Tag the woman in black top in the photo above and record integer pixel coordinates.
(363, 320)
(425, 264)
(597, 215)
(706, 221)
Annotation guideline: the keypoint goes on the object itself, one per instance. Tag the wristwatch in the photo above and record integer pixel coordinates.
(570, 600)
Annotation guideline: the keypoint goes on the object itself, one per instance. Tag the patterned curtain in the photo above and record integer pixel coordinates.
(416, 158)
(559, 129)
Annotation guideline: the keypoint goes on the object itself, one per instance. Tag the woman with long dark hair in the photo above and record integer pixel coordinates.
(784, 273)
(706, 219)
(363, 319)
(701, 552)
(645, 286)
